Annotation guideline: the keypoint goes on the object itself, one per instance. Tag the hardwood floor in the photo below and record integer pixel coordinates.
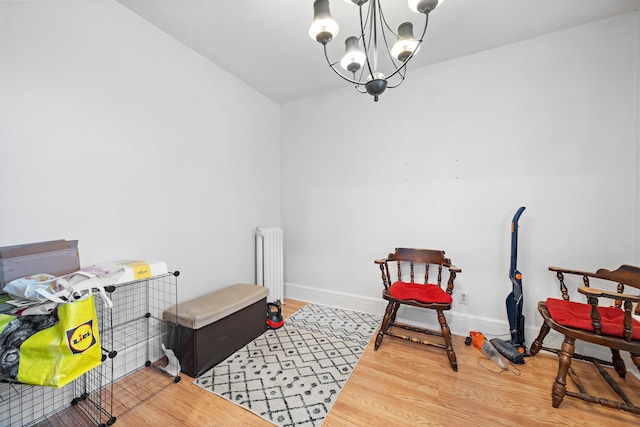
(405, 384)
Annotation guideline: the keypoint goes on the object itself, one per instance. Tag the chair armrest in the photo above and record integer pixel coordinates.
(453, 271)
(453, 268)
(596, 293)
(576, 272)
(384, 272)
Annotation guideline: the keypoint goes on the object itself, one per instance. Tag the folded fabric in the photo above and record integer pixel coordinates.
(71, 287)
(80, 285)
(28, 287)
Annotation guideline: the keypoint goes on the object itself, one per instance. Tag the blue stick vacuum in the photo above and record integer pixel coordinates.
(514, 350)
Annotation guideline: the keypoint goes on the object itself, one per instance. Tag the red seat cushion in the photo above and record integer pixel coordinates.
(578, 315)
(420, 293)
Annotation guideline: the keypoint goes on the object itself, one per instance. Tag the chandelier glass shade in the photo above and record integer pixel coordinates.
(362, 64)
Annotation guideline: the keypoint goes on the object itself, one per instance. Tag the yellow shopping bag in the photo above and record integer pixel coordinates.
(62, 346)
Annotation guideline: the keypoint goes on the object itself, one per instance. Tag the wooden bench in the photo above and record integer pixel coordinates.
(212, 327)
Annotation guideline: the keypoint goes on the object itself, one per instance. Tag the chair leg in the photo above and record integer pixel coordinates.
(537, 343)
(618, 363)
(389, 314)
(564, 363)
(396, 306)
(635, 358)
(446, 334)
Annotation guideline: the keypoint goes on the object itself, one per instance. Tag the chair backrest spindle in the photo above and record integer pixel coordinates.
(628, 323)
(416, 259)
(563, 287)
(620, 290)
(412, 272)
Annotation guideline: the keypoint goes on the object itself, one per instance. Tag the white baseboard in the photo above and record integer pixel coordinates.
(335, 299)
(459, 323)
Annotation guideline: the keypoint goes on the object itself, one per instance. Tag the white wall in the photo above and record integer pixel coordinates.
(115, 134)
(445, 161)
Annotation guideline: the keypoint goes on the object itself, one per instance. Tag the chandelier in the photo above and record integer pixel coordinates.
(363, 64)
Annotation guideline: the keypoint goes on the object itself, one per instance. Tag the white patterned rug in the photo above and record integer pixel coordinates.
(292, 376)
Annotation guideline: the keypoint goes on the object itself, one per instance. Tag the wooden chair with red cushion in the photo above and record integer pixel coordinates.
(427, 295)
(606, 319)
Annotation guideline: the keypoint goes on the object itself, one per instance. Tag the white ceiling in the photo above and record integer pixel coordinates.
(265, 42)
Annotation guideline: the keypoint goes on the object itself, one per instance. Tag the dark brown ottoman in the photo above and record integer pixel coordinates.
(212, 327)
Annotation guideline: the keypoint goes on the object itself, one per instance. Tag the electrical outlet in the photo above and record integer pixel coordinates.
(464, 297)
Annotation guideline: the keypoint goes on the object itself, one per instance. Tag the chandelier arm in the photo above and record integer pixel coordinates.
(424, 30)
(402, 76)
(366, 19)
(374, 31)
(384, 21)
(386, 43)
(364, 40)
(332, 66)
(361, 76)
(426, 23)
(326, 56)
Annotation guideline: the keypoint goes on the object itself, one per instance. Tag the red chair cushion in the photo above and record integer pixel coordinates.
(420, 293)
(578, 315)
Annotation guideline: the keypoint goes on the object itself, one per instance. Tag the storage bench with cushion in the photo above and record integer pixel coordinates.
(213, 326)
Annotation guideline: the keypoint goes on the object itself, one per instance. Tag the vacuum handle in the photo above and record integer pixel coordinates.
(514, 274)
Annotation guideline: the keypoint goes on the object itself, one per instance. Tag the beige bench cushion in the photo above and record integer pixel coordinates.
(209, 308)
